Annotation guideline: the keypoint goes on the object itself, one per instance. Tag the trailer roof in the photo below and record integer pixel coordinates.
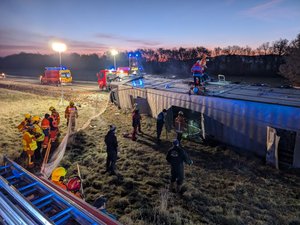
(279, 96)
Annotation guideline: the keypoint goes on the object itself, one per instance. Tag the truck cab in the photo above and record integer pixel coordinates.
(56, 76)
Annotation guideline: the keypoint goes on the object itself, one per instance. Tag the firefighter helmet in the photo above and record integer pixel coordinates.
(71, 103)
(74, 184)
(51, 108)
(36, 119)
(27, 116)
(58, 173)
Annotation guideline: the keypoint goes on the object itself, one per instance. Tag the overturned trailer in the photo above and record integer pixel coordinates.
(262, 120)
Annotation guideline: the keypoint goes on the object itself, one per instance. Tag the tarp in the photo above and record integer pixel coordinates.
(272, 147)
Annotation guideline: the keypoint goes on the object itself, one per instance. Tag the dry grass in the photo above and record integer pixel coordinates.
(15, 104)
(222, 187)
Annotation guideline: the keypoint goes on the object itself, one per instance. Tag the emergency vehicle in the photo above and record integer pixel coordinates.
(121, 73)
(56, 75)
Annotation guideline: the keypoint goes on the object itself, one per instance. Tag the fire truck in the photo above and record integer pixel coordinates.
(121, 73)
(56, 76)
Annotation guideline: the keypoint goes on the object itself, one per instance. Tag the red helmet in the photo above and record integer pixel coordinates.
(74, 184)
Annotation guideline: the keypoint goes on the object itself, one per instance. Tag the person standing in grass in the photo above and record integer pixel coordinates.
(176, 156)
(160, 123)
(136, 124)
(180, 125)
(111, 149)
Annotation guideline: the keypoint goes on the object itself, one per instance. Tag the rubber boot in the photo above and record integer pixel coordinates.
(30, 163)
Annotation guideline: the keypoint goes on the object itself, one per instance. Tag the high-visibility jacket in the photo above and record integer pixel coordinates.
(71, 110)
(23, 125)
(180, 124)
(197, 69)
(39, 133)
(45, 124)
(56, 117)
(29, 142)
(53, 123)
(60, 184)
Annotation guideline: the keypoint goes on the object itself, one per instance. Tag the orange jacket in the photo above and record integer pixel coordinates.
(180, 124)
(56, 117)
(60, 184)
(71, 110)
(45, 124)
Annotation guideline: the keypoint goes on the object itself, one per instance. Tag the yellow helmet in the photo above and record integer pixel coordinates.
(27, 116)
(36, 119)
(51, 108)
(71, 103)
(58, 173)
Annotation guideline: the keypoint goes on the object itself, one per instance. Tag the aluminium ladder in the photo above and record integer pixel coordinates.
(28, 199)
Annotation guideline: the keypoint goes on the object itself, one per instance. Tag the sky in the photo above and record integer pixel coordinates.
(96, 26)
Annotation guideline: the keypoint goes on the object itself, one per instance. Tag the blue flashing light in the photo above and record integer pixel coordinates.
(137, 55)
(138, 83)
(129, 54)
(56, 68)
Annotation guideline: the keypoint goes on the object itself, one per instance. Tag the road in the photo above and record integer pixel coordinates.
(76, 85)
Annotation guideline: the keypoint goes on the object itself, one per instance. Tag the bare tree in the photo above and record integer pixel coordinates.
(280, 47)
(217, 51)
(291, 69)
(264, 48)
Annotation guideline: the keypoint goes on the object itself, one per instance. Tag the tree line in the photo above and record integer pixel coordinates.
(231, 60)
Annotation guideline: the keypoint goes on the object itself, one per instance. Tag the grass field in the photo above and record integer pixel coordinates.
(222, 187)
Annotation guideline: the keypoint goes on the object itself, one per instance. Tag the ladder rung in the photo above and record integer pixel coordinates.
(44, 204)
(61, 213)
(14, 176)
(36, 201)
(13, 182)
(4, 167)
(47, 210)
(63, 219)
(27, 186)
(26, 193)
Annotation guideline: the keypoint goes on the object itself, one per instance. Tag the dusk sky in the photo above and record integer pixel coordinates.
(95, 26)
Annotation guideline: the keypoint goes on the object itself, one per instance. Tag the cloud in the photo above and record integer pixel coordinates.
(270, 10)
(139, 42)
(15, 41)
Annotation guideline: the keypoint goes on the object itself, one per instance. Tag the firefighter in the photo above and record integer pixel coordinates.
(176, 156)
(25, 123)
(45, 124)
(160, 123)
(197, 71)
(55, 115)
(53, 127)
(29, 145)
(136, 124)
(74, 186)
(39, 135)
(180, 125)
(111, 149)
(71, 113)
(58, 176)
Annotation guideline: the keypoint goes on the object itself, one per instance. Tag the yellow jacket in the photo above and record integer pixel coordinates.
(29, 142)
(40, 134)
